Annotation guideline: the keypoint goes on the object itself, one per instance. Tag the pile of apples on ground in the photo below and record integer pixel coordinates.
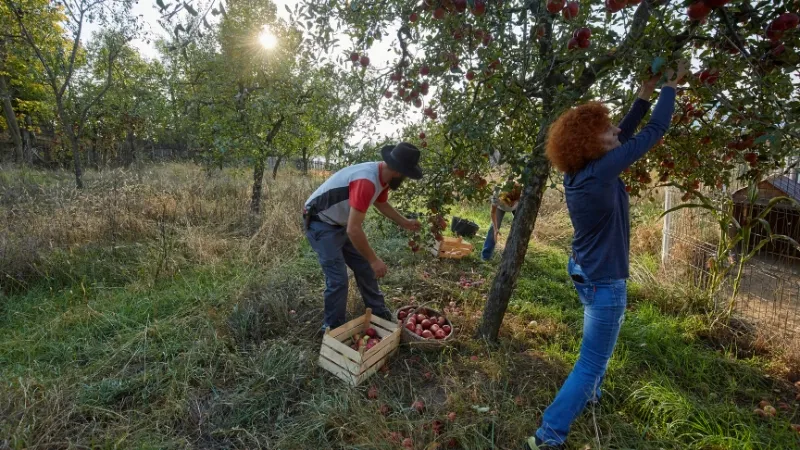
(428, 326)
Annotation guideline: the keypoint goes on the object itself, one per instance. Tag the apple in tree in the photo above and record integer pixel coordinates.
(460, 5)
(480, 8)
(613, 6)
(470, 75)
(573, 44)
(413, 17)
(571, 10)
(364, 61)
(582, 34)
(387, 93)
(353, 56)
(422, 135)
(424, 70)
(439, 13)
(554, 6)
(698, 11)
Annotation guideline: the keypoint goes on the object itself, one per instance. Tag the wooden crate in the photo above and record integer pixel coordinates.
(450, 247)
(353, 366)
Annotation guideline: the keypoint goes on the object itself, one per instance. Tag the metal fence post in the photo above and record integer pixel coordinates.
(666, 238)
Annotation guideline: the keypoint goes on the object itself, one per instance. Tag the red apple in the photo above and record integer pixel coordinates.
(418, 330)
(427, 334)
(613, 6)
(584, 43)
(786, 21)
(628, 189)
(424, 87)
(447, 329)
(364, 61)
(411, 326)
(441, 321)
(573, 44)
(460, 5)
(451, 416)
(470, 75)
(571, 10)
(408, 443)
(439, 13)
(709, 76)
(698, 11)
(434, 328)
(413, 17)
(426, 324)
(424, 70)
(419, 405)
(440, 334)
(402, 314)
(480, 8)
(387, 94)
(554, 6)
(372, 393)
(422, 135)
(385, 409)
(582, 34)
(371, 332)
(424, 144)
(354, 56)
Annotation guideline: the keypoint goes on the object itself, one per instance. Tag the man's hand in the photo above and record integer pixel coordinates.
(379, 267)
(412, 225)
(496, 235)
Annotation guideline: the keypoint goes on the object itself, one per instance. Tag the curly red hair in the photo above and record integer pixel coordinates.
(574, 138)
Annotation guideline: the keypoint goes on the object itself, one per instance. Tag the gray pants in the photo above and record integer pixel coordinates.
(335, 253)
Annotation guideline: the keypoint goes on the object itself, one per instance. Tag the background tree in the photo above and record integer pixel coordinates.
(61, 62)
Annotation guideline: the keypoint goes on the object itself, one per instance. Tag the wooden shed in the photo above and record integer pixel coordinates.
(783, 219)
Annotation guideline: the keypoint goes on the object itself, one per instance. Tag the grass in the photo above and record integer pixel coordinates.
(165, 317)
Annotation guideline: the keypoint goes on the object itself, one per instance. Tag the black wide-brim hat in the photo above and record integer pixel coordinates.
(404, 158)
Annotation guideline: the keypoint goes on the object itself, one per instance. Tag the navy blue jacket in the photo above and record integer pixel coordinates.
(596, 198)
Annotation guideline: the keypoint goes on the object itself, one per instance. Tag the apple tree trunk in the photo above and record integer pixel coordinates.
(258, 180)
(11, 120)
(517, 245)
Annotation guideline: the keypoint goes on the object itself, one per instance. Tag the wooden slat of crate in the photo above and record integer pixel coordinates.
(379, 351)
(340, 360)
(340, 373)
(383, 323)
(346, 328)
(341, 348)
(372, 370)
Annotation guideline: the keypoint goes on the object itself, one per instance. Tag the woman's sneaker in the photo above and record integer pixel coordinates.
(534, 443)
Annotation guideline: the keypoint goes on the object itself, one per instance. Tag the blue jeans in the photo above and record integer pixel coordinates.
(603, 312)
(489, 243)
(335, 253)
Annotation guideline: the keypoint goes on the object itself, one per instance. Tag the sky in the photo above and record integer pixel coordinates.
(380, 55)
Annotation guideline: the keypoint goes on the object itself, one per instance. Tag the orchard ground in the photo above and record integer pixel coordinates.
(152, 311)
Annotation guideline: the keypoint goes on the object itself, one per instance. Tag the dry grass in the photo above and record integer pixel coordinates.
(178, 210)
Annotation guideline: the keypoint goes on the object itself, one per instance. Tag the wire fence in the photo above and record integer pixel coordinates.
(769, 291)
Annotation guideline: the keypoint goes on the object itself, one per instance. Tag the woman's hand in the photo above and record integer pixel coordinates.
(674, 78)
(648, 87)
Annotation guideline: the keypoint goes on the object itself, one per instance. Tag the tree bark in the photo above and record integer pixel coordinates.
(73, 142)
(27, 141)
(277, 164)
(305, 161)
(518, 238)
(258, 179)
(11, 120)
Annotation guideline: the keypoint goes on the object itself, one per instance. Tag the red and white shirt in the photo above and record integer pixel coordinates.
(357, 186)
